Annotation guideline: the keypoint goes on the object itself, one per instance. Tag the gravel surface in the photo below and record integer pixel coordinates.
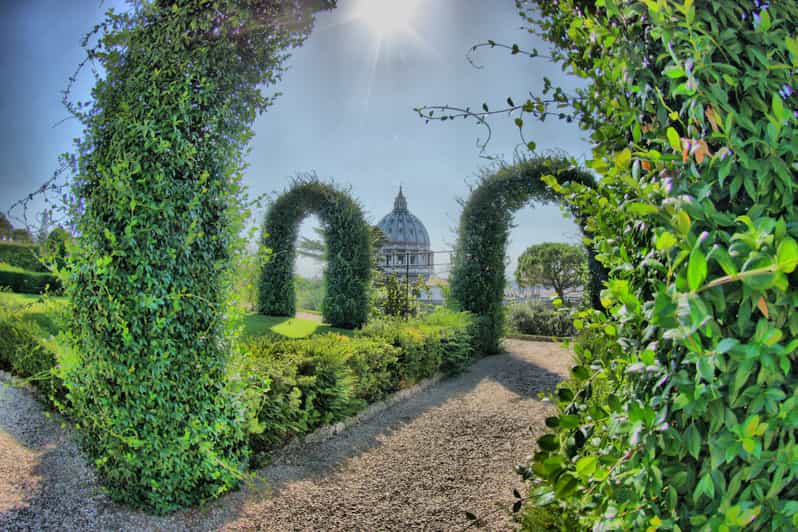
(419, 465)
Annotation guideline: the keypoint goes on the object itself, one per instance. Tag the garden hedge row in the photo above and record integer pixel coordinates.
(536, 319)
(291, 386)
(21, 255)
(295, 386)
(28, 282)
(28, 350)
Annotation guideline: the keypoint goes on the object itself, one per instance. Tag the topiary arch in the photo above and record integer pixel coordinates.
(477, 282)
(349, 252)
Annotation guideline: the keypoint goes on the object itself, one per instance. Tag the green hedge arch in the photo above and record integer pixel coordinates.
(349, 252)
(477, 283)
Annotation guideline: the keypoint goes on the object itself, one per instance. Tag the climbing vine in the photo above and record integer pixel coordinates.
(681, 414)
(156, 206)
(478, 272)
(348, 239)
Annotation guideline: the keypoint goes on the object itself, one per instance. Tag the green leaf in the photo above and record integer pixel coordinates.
(549, 442)
(569, 421)
(586, 465)
(665, 241)
(787, 254)
(696, 269)
(778, 106)
(675, 72)
(692, 439)
(641, 209)
(580, 372)
(764, 20)
(673, 140)
(705, 486)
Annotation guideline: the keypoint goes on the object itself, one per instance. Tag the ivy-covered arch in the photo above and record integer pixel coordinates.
(347, 235)
(478, 275)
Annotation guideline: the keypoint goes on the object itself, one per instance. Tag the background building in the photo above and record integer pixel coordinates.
(406, 251)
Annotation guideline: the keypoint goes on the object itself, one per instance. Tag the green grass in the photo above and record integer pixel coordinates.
(42, 309)
(259, 325)
(34, 308)
(9, 268)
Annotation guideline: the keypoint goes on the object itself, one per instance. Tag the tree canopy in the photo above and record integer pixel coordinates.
(560, 266)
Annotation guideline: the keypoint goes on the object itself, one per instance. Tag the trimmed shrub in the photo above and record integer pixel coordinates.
(294, 386)
(440, 341)
(537, 319)
(28, 282)
(348, 237)
(23, 256)
(478, 271)
(302, 384)
(28, 351)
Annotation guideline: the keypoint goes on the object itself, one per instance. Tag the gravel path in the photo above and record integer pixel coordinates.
(420, 465)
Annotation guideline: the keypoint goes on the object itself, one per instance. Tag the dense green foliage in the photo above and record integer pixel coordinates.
(5, 227)
(309, 293)
(348, 238)
(561, 266)
(25, 256)
(393, 296)
(478, 271)
(28, 343)
(681, 414)
(28, 282)
(295, 386)
(537, 319)
(158, 207)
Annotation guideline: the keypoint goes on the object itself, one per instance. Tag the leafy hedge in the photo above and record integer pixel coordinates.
(536, 319)
(692, 109)
(478, 271)
(23, 256)
(28, 348)
(158, 208)
(28, 282)
(348, 238)
(294, 386)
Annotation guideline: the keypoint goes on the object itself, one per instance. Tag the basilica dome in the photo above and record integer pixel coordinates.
(406, 249)
(400, 226)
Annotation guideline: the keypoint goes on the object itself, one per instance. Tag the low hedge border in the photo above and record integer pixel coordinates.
(293, 388)
(25, 256)
(326, 432)
(29, 282)
(539, 338)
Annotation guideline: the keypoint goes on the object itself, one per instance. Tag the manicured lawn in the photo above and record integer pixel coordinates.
(258, 325)
(41, 310)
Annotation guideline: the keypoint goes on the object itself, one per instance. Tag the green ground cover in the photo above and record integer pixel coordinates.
(259, 325)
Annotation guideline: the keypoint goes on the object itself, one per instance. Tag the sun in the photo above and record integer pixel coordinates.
(387, 18)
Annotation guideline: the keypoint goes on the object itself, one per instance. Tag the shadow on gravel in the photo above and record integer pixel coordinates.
(61, 493)
(315, 460)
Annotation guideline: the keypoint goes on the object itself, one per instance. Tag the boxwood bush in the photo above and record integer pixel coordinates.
(28, 282)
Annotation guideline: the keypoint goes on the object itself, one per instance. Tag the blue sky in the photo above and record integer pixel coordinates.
(346, 111)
